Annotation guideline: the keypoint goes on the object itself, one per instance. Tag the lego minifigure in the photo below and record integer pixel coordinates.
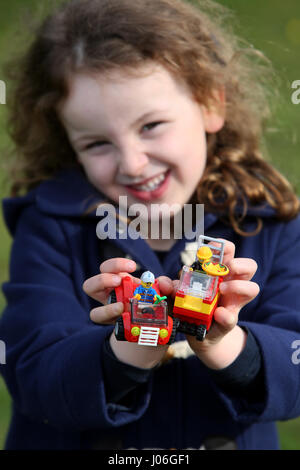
(145, 292)
(145, 319)
(204, 255)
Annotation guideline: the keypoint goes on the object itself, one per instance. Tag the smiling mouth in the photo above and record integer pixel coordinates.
(151, 184)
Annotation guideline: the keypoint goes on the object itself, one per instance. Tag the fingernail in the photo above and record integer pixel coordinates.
(93, 315)
(84, 286)
(118, 309)
(130, 266)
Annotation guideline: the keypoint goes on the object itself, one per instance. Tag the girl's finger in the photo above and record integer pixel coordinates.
(176, 283)
(229, 250)
(165, 285)
(108, 314)
(236, 294)
(98, 287)
(225, 320)
(118, 265)
(241, 268)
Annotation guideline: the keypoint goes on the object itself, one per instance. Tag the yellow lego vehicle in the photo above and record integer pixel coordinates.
(197, 296)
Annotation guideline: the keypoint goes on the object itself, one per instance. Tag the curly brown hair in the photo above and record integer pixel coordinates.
(194, 43)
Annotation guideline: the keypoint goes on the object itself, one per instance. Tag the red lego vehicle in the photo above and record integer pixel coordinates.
(144, 323)
(197, 296)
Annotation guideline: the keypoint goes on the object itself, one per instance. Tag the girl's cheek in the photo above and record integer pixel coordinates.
(102, 167)
(106, 177)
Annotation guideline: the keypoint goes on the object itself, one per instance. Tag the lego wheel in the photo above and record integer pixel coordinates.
(119, 329)
(176, 324)
(181, 326)
(187, 328)
(112, 299)
(201, 332)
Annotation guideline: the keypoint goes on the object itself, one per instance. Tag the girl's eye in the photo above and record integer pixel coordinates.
(151, 125)
(98, 143)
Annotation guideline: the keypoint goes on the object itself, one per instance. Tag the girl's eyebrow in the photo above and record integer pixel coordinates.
(83, 138)
(148, 115)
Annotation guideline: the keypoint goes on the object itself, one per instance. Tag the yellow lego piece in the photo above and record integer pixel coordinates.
(195, 304)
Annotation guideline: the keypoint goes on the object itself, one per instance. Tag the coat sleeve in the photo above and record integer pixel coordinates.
(275, 324)
(53, 351)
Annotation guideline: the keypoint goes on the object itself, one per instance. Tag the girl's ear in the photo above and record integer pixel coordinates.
(214, 115)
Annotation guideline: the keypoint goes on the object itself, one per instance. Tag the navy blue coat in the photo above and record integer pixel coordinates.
(53, 366)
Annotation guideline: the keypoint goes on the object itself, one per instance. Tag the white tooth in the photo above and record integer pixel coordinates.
(144, 188)
(156, 181)
(151, 184)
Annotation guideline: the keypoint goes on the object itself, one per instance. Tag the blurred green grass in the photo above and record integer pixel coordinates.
(271, 26)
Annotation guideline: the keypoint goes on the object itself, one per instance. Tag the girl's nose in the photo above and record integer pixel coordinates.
(132, 161)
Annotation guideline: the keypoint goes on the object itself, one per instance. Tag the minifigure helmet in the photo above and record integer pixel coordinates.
(204, 252)
(147, 276)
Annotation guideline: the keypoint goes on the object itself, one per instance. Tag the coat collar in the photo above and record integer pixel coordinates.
(66, 194)
(70, 194)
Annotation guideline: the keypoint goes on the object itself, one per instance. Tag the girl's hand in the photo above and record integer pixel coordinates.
(99, 288)
(226, 340)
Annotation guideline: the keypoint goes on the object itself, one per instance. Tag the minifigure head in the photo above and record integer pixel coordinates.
(147, 279)
(204, 254)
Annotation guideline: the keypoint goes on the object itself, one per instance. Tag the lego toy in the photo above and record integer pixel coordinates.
(204, 254)
(198, 293)
(145, 292)
(145, 319)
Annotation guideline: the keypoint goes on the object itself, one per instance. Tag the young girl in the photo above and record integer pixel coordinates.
(148, 100)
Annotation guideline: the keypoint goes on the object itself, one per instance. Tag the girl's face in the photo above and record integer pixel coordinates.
(142, 136)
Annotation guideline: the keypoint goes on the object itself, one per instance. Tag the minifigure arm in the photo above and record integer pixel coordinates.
(196, 266)
(154, 294)
(137, 293)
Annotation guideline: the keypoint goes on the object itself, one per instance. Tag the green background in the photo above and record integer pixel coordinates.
(272, 26)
